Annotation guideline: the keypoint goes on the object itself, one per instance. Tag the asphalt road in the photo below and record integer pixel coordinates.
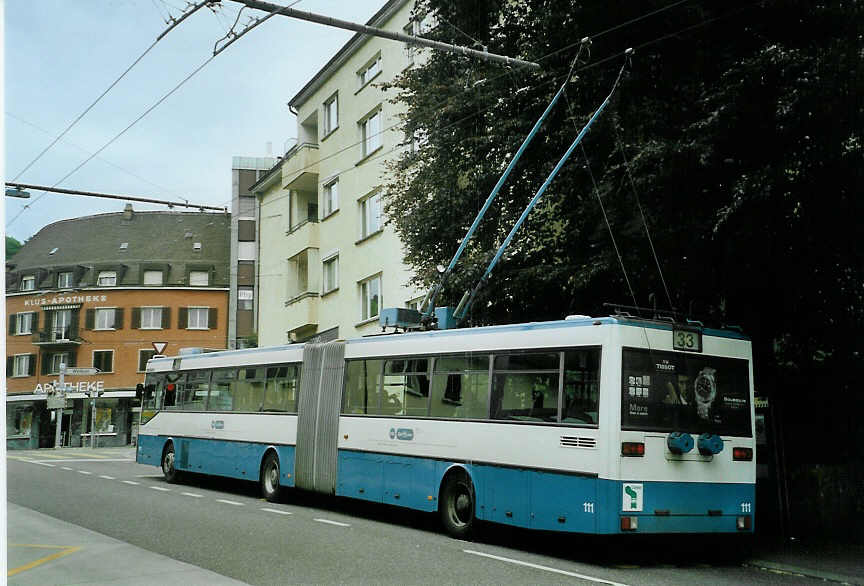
(225, 527)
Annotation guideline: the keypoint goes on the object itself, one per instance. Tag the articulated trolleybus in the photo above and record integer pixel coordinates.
(591, 425)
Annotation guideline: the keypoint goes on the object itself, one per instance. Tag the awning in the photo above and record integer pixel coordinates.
(66, 306)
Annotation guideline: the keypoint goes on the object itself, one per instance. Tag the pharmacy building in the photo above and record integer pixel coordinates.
(105, 292)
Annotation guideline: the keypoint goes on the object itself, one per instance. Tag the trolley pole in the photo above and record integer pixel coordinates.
(58, 413)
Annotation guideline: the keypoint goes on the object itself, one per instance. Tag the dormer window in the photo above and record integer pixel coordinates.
(199, 278)
(28, 283)
(107, 279)
(65, 280)
(124, 245)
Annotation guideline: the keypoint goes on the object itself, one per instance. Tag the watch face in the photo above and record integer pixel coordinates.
(704, 388)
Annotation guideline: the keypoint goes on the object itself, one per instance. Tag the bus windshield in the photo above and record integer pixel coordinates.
(670, 391)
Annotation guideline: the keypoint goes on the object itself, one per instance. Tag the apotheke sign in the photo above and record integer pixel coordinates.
(79, 387)
(60, 299)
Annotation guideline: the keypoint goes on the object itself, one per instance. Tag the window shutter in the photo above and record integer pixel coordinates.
(90, 319)
(46, 360)
(183, 318)
(166, 317)
(12, 318)
(136, 318)
(118, 318)
(211, 319)
(75, 320)
(35, 327)
(31, 364)
(71, 361)
(10, 365)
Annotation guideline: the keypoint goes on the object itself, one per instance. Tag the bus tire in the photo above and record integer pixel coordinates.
(456, 505)
(169, 471)
(271, 490)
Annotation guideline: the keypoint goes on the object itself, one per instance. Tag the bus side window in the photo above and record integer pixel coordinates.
(460, 387)
(222, 389)
(405, 389)
(525, 387)
(362, 387)
(581, 386)
(281, 389)
(249, 390)
(193, 393)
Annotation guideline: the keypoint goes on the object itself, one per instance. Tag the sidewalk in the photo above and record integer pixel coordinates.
(832, 562)
(43, 550)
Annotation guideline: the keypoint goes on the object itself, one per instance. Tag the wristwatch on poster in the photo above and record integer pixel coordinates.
(705, 389)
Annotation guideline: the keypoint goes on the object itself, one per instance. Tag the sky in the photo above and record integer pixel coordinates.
(60, 55)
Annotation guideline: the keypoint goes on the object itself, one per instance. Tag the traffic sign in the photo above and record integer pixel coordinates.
(81, 370)
(159, 346)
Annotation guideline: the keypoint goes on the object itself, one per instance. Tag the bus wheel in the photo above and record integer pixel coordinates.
(456, 506)
(270, 488)
(171, 473)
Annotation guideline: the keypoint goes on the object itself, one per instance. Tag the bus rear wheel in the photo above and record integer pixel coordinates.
(271, 490)
(456, 506)
(169, 471)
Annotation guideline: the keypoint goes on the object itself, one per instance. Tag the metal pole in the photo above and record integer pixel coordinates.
(93, 396)
(59, 412)
(377, 32)
(185, 204)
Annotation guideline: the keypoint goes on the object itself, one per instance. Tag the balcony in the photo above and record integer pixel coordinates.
(58, 337)
(302, 236)
(301, 311)
(300, 169)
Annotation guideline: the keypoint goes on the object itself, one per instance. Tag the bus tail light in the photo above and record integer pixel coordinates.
(743, 454)
(632, 449)
(743, 523)
(629, 523)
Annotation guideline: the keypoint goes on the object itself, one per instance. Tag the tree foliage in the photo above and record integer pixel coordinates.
(741, 125)
(12, 246)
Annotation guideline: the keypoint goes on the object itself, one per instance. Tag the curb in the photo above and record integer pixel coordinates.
(807, 572)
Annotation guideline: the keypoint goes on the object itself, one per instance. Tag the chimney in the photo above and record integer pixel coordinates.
(127, 212)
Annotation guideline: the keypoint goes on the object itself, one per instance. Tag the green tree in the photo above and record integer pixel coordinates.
(12, 246)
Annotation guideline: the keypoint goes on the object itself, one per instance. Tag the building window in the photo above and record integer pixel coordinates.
(370, 298)
(24, 365)
(61, 324)
(105, 318)
(370, 215)
(370, 130)
(245, 298)
(199, 278)
(28, 283)
(19, 419)
(331, 114)
(24, 323)
(103, 360)
(246, 230)
(331, 274)
(151, 318)
(414, 303)
(198, 318)
(410, 29)
(369, 71)
(107, 279)
(153, 277)
(245, 273)
(331, 197)
(55, 360)
(64, 280)
(143, 357)
(246, 206)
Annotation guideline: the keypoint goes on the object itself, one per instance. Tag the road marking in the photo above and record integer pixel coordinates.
(545, 568)
(41, 463)
(193, 495)
(329, 522)
(70, 460)
(162, 488)
(277, 511)
(66, 468)
(106, 477)
(65, 550)
(227, 502)
(148, 476)
(84, 472)
(130, 482)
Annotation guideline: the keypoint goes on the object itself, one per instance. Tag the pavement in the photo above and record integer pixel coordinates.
(44, 550)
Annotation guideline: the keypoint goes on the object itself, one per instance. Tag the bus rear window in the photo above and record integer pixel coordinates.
(668, 391)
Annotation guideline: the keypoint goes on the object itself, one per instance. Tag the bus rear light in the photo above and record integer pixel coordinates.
(743, 454)
(629, 523)
(632, 449)
(743, 523)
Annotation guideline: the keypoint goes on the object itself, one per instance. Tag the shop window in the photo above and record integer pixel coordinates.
(19, 420)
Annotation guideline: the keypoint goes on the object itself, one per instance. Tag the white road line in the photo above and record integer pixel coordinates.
(329, 522)
(106, 477)
(193, 495)
(89, 460)
(227, 502)
(545, 568)
(277, 511)
(162, 488)
(40, 463)
(84, 472)
(130, 482)
(66, 467)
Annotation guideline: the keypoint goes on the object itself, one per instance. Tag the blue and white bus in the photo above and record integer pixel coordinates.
(591, 425)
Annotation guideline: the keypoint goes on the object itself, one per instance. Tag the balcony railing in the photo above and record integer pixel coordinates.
(300, 169)
(58, 335)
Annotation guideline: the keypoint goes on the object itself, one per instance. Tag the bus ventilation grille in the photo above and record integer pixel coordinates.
(572, 441)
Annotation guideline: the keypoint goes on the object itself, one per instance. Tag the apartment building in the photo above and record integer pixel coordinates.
(245, 171)
(327, 262)
(100, 291)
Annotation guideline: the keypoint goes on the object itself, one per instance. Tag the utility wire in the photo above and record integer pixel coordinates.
(102, 95)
